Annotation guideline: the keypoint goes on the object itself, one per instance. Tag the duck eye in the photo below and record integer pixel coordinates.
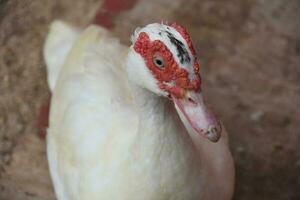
(158, 61)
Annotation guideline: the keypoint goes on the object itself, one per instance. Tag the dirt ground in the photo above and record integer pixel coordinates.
(250, 53)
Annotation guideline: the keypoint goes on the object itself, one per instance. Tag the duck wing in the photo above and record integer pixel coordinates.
(92, 114)
(58, 44)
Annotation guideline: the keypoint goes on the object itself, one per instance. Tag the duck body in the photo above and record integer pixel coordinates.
(109, 139)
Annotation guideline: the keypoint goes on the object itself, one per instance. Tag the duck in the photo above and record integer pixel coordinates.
(130, 123)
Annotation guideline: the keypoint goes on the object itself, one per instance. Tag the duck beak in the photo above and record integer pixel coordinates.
(201, 119)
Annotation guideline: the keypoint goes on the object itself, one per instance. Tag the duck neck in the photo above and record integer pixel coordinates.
(158, 120)
(160, 131)
(152, 109)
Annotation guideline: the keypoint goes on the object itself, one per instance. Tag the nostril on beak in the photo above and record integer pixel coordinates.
(212, 129)
(213, 133)
(192, 101)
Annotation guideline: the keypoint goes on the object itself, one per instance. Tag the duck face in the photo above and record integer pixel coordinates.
(162, 59)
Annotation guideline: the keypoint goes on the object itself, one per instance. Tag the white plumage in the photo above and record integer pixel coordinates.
(111, 139)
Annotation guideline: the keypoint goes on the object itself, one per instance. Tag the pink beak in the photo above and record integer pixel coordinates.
(201, 119)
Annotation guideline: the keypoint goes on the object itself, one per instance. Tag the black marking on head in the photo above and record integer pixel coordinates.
(182, 52)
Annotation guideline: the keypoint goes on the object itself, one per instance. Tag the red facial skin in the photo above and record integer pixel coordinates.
(171, 72)
(184, 34)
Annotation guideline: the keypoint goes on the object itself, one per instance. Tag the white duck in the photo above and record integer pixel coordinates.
(113, 133)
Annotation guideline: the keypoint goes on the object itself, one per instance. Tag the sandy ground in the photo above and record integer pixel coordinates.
(250, 53)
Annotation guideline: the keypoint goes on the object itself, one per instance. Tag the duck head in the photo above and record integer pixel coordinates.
(162, 59)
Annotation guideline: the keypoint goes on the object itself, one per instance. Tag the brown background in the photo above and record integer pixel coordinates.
(250, 53)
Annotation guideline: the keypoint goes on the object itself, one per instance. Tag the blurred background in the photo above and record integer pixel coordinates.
(250, 55)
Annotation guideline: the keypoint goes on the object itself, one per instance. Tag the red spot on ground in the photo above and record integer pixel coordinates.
(118, 5)
(110, 9)
(43, 120)
(105, 19)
